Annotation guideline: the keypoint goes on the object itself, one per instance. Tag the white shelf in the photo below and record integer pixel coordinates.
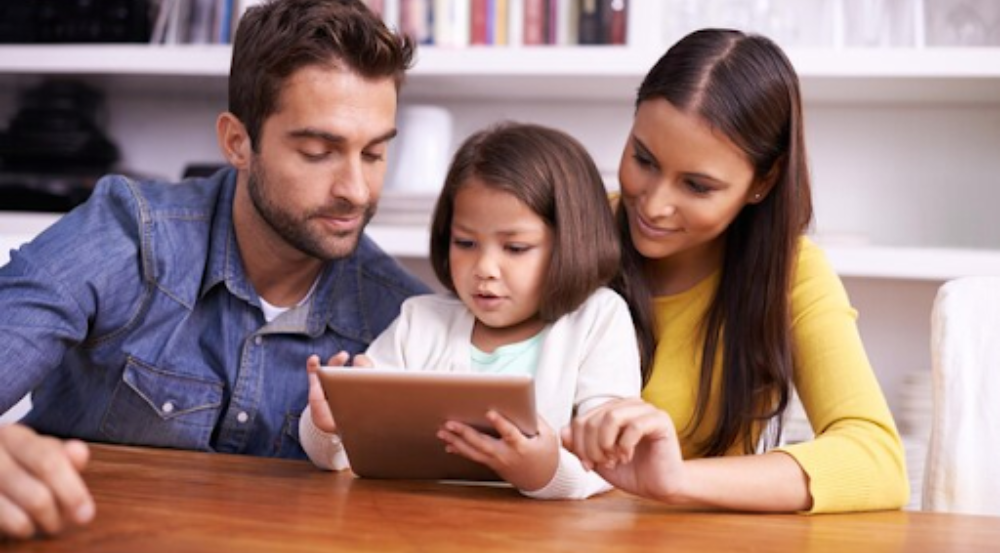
(929, 264)
(594, 72)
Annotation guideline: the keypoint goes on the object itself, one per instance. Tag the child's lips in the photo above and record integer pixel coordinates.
(487, 300)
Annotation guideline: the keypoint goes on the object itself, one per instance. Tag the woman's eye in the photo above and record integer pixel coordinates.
(642, 160)
(698, 188)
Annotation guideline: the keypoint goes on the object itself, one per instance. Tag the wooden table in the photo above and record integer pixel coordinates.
(153, 500)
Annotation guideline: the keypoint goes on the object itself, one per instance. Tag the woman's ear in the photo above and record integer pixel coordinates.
(234, 141)
(762, 187)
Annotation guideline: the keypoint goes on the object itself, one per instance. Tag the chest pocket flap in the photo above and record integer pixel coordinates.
(154, 407)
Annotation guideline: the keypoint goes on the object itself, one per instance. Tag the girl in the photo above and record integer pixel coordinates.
(715, 202)
(525, 241)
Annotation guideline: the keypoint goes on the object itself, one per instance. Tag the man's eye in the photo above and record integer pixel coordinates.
(310, 156)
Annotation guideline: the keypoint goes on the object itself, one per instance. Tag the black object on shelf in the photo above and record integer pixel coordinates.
(55, 130)
(54, 151)
(58, 21)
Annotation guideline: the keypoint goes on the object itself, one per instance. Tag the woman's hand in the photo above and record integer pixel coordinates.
(40, 486)
(528, 463)
(631, 444)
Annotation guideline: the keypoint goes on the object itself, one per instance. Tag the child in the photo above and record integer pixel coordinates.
(524, 239)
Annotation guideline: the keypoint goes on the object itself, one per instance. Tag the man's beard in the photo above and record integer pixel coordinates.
(298, 231)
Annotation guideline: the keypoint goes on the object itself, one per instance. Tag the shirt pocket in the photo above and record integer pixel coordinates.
(154, 407)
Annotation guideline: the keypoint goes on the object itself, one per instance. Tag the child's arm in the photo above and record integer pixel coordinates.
(317, 429)
(600, 339)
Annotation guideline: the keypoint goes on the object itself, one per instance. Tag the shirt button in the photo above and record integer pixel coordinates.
(258, 340)
(168, 407)
(242, 417)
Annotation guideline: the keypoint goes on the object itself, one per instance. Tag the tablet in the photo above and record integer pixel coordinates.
(388, 419)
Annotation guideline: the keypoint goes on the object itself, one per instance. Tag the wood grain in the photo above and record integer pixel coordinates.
(152, 500)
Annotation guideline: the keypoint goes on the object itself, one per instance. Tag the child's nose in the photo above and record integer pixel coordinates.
(486, 267)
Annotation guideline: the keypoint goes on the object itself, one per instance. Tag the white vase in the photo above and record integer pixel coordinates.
(420, 154)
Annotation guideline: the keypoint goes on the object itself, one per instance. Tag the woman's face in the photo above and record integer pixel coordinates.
(682, 184)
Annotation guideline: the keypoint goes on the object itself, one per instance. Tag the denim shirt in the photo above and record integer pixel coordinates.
(131, 320)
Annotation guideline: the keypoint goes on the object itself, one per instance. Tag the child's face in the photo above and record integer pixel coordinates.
(682, 184)
(499, 257)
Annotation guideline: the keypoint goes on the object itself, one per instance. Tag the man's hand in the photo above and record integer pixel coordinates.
(41, 490)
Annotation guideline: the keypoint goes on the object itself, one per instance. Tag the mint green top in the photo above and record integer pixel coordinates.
(517, 358)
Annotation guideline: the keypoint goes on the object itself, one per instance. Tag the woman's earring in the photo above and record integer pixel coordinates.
(756, 197)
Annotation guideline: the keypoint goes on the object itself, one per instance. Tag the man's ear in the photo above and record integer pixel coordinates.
(234, 141)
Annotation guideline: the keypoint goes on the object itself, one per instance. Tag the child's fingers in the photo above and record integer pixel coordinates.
(362, 360)
(312, 364)
(338, 360)
(508, 432)
(473, 437)
(456, 443)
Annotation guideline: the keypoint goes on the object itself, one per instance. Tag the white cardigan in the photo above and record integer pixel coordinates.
(588, 357)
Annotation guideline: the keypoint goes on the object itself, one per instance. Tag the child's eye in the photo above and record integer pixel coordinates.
(462, 243)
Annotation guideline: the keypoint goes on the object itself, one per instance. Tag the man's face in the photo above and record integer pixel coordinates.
(317, 173)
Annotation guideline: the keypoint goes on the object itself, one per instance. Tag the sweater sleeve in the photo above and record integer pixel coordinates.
(856, 461)
(601, 338)
(571, 481)
(324, 449)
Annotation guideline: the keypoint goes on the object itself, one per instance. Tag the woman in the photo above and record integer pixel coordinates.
(714, 205)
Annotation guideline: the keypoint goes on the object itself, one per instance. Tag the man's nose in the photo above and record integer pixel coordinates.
(351, 184)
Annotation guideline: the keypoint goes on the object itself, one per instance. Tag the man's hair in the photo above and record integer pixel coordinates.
(552, 174)
(279, 37)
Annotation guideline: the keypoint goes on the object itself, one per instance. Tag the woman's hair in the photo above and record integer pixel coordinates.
(744, 87)
(552, 174)
(279, 37)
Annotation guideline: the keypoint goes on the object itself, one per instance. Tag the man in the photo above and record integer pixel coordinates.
(182, 315)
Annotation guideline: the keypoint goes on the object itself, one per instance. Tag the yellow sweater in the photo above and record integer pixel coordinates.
(856, 462)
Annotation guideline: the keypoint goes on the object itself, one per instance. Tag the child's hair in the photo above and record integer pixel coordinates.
(552, 174)
(279, 37)
(745, 88)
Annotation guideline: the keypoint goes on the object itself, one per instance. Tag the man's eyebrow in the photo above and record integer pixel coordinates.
(326, 136)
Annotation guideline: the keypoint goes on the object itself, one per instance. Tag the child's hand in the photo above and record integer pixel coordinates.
(318, 408)
(362, 360)
(527, 463)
